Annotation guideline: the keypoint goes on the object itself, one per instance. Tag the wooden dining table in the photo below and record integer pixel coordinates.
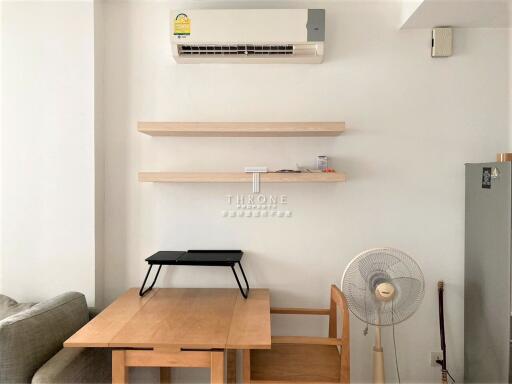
(179, 327)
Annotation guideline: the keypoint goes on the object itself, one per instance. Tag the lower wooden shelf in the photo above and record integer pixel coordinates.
(239, 177)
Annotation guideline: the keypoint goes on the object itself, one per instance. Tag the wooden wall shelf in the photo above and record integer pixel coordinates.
(239, 177)
(241, 129)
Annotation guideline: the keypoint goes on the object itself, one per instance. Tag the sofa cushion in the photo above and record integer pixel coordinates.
(76, 365)
(10, 307)
(28, 339)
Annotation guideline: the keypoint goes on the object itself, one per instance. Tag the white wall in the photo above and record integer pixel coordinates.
(47, 149)
(1, 172)
(412, 124)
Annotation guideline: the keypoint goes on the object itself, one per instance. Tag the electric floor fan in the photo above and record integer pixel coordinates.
(383, 286)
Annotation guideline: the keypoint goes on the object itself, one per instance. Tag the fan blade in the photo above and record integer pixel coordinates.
(383, 265)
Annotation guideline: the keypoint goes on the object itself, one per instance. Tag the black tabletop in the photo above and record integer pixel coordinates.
(197, 257)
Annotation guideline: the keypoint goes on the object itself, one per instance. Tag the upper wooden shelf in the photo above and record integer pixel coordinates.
(241, 129)
(239, 177)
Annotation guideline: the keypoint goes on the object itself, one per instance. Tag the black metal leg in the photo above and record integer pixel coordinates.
(244, 294)
(142, 292)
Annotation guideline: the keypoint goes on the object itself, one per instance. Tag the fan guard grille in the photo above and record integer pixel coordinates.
(376, 266)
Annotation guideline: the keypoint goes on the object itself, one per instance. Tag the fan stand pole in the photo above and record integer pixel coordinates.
(378, 358)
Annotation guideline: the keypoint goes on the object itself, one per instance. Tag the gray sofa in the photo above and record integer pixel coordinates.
(31, 337)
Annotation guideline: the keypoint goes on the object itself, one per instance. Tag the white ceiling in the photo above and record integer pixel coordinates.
(458, 13)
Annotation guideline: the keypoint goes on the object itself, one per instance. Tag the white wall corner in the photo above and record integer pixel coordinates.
(460, 14)
(408, 9)
(99, 157)
(510, 78)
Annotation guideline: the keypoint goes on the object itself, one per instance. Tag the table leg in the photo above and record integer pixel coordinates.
(217, 367)
(231, 366)
(246, 366)
(165, 375)
(119, 368)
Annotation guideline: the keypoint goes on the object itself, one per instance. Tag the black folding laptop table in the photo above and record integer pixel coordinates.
(211, 258)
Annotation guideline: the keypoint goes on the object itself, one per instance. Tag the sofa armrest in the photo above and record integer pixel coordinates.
(93, 312)
(30, 338)
(76, 365)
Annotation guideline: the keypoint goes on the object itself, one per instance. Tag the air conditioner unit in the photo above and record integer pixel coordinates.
(248, 35)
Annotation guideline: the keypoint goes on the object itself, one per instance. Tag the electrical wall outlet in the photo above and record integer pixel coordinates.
(434, 356)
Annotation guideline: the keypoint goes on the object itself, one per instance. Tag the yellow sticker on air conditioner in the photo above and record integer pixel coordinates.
(182, 24)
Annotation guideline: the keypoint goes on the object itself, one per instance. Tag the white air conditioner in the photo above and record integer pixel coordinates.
(248, 35)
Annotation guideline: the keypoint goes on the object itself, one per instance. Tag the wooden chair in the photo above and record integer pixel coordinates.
(301, 359)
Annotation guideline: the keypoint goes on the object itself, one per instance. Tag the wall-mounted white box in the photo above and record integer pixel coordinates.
(442, 38)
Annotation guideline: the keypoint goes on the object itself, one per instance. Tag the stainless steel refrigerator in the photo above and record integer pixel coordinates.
(487, 273)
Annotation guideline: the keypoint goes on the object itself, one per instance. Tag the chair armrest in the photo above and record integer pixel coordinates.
(306, 340)
(300, 311)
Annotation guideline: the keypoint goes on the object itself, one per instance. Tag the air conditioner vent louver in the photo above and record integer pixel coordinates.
(235, 49)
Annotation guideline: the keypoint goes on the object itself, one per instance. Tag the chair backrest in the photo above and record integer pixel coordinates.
(339, 301)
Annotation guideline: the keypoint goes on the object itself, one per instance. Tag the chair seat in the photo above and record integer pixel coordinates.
(296, 363)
